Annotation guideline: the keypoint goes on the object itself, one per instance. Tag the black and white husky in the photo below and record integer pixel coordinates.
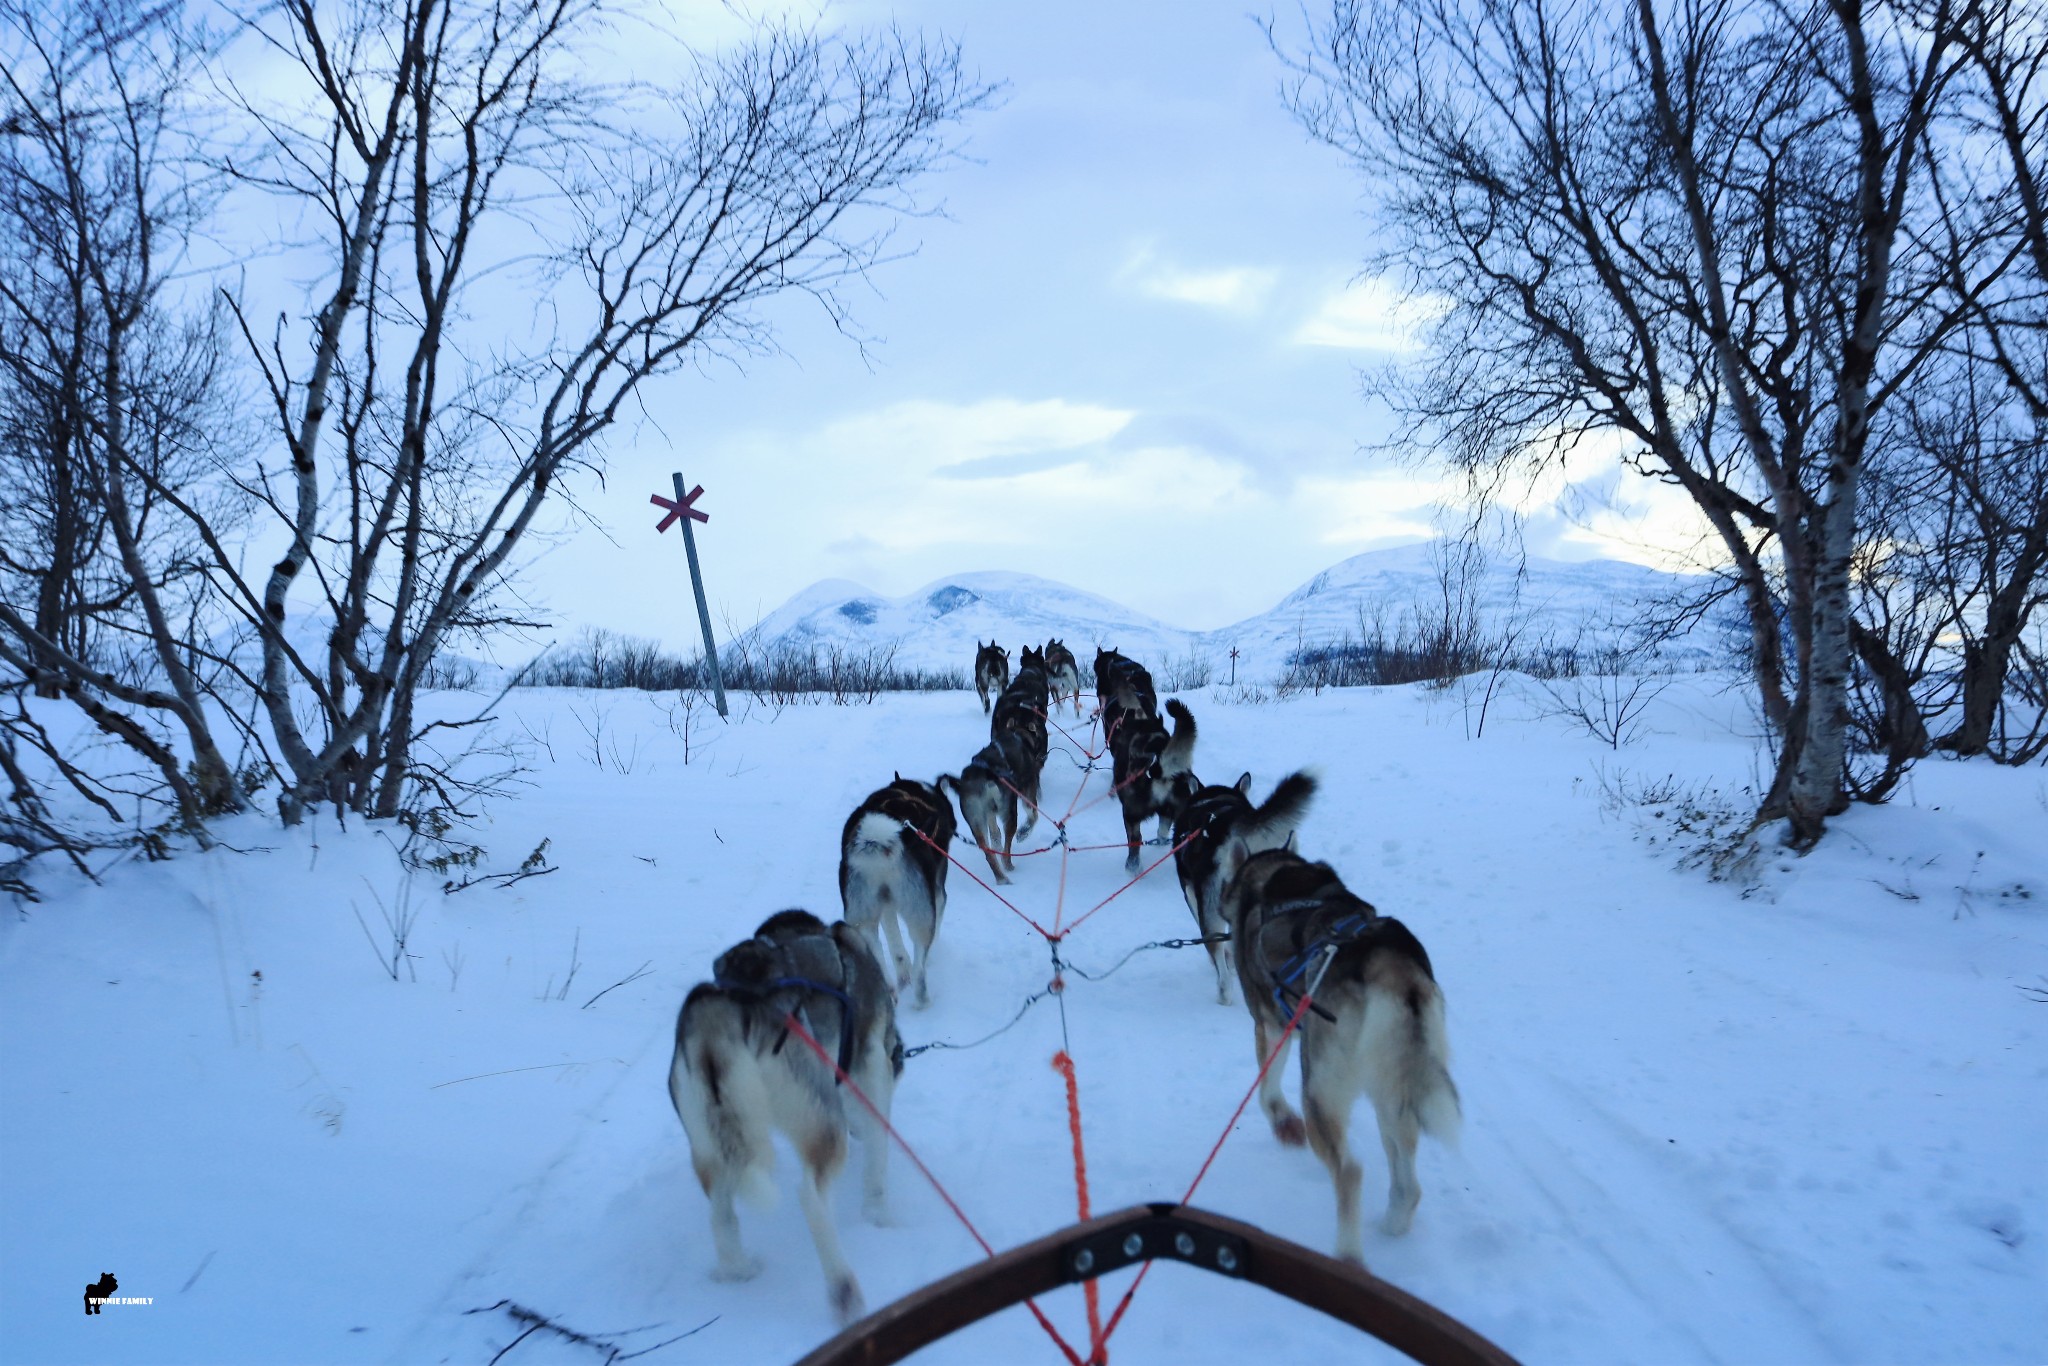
(738, 1075)
(1206, 826)
(1375, 1024)
(991, 671)
(892, 867)
(1063, 672)
(987, 792)
(1021, 712)
(1122, 688)
(1152, 771)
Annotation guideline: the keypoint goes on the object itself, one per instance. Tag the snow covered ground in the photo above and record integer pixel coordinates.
(1798, 1117)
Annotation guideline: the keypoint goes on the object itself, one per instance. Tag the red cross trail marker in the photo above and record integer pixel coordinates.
(680, 510)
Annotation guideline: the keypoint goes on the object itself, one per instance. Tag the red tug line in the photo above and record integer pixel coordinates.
(1062, 1061)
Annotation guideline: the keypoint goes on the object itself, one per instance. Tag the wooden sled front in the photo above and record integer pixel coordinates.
(1165, 1232)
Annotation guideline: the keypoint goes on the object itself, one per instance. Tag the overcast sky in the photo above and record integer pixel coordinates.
(1127, 359)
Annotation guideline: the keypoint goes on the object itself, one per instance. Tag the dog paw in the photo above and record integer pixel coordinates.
(1394, 1222)
(846, 1300)
(875, 1210)
(745, 1269)
(1290, 1130)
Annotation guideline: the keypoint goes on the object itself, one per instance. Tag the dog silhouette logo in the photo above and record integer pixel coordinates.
(101, 1289)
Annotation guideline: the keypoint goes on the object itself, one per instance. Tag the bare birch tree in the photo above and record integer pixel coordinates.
(451, 148)
(1704, 226)
(104, 387)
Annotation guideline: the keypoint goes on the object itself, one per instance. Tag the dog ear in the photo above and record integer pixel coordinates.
(1244, 784)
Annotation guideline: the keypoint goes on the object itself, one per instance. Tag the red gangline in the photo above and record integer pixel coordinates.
(1142, 874)
(1064, 1065)
(1036, 809)
(796, 1028)
(1091, 753)
(983, 885)
(1293, 1021)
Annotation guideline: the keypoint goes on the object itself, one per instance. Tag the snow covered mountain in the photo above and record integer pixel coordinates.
(938, 625)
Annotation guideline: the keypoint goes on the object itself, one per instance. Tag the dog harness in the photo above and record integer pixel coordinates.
(760, 991)
(1343, 932)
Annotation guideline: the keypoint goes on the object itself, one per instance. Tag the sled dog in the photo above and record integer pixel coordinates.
(987, 792)
(1209, 821)
(1021, 710)
(1063, 672)
(1151, 771)
(887, 874)
(991, 671)
(1375, 1024)
(738, 1074)
(1115, 676)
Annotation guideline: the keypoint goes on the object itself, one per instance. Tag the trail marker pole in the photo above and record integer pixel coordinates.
(681, 510)
(1233, 666)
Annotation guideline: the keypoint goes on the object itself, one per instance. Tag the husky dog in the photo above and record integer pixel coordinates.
(991, 671)
(1021, 711)
(1116, 675)
(987, 792)
(1151, 770)
(1063, 672)
(888, 873)
(1375, 1024)
(737, 1075)
(1212, 820)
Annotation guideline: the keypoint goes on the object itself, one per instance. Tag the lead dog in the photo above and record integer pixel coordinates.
(1375, 1025)
(1204, 830)
(1063, 672)
(737, 1075)
(1152, 771)
(892, 867)
(991, 671)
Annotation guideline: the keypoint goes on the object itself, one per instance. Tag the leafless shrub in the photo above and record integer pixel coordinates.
(1708, 828)
(1186, 672)
(393, 950)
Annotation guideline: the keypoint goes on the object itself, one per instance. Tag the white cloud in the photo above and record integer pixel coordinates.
(1370, 315)
(928, 435)
(1233, 289)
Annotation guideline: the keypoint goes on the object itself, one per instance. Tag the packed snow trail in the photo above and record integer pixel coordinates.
(1795, 1120)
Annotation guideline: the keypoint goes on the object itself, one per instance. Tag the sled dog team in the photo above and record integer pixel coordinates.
(1285, 927)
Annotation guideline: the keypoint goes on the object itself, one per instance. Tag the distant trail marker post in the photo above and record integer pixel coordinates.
(1233, 666)
(680, 510)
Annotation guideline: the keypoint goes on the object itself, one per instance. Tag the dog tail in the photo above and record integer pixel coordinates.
(716, 1085)
(1179, 754)
(1269, 825)
(1410, 1051)
(878, 834)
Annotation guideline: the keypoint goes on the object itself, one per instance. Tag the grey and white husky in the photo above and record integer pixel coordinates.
(737, 1075)
(892, 868)
(1207, 825)
(991, 671)
(987, 792)
(1063, 672)
(1375, 1024)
